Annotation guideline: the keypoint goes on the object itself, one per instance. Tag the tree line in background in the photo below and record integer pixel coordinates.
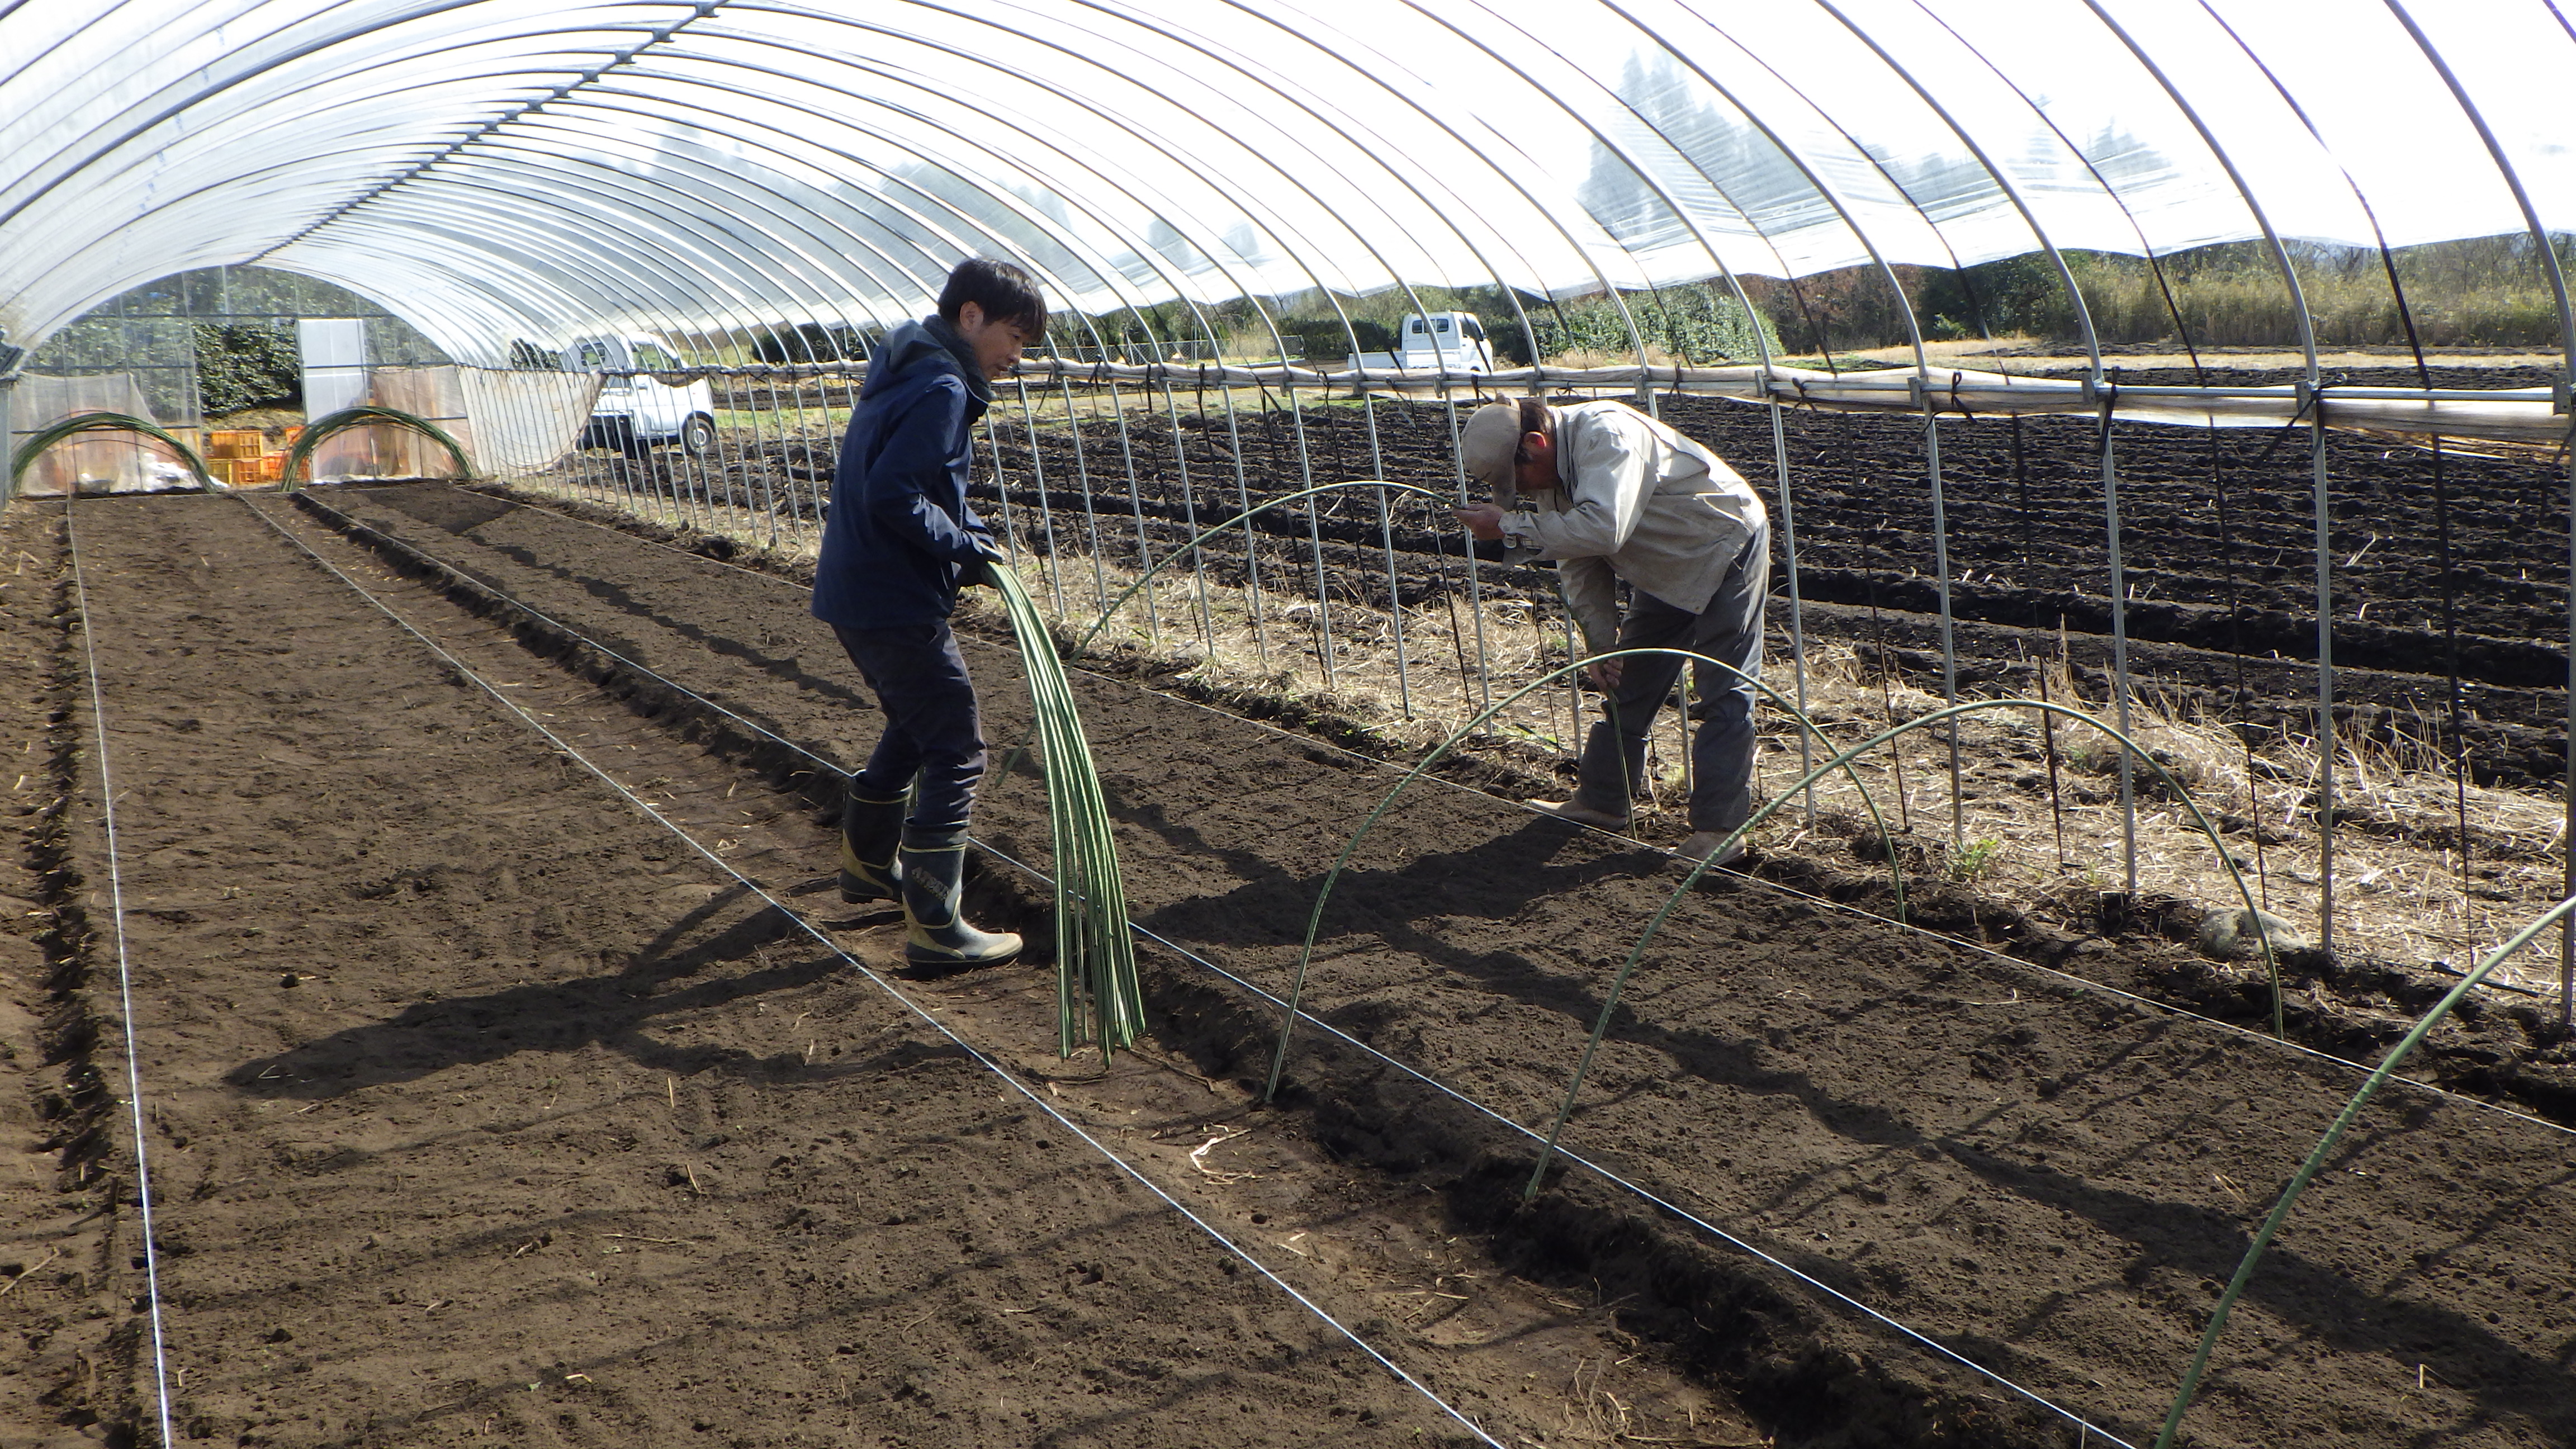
(2487, 292)
(243, 365)
(2482, 292)
(1697, 324)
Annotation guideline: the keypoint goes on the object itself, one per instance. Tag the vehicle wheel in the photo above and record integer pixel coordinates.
(698, 435)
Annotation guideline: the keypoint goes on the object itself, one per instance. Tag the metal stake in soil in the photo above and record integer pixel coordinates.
(2119, 647)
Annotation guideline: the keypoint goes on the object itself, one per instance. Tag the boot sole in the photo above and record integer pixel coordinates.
(919, 967)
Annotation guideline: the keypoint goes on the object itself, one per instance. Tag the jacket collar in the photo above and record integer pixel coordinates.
(967, 363)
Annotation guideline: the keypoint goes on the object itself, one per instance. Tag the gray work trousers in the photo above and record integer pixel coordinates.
(1728, 630)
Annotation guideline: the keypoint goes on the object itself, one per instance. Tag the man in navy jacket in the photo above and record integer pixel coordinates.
(897, 545)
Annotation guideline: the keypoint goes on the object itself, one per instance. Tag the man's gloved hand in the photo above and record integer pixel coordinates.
(989, 561)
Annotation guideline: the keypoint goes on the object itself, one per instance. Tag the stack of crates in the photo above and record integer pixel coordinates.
(240, 456)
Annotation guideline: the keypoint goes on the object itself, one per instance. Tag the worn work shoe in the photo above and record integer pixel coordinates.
(870, 829)
(1582, 814)
(933, 882)
(1699, 846)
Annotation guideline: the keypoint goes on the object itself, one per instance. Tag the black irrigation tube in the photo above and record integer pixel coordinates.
(376, 539)
(972, 1052)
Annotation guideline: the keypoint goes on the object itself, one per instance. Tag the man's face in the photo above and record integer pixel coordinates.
(1534, 462)
(997, 344)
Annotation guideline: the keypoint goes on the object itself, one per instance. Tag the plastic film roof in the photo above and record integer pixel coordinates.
(497, 169)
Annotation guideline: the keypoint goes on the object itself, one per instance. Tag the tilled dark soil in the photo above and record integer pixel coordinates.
(67, 1329)
(2049, 1179)
(482, 1109)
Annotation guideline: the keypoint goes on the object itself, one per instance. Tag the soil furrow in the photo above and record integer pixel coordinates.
(481, 1108)
(2053, 1182)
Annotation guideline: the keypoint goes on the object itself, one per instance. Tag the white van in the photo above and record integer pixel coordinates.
(1442, 341)
(634, 411)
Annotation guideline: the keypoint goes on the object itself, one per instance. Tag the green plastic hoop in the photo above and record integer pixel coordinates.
(301, 454)
(103, 422)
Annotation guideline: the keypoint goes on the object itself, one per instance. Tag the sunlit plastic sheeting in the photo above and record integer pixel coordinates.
(89, 462)
(435, 395)
(521, 422)
(719, 169)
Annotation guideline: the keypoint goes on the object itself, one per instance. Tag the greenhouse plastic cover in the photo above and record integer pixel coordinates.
(502, 169)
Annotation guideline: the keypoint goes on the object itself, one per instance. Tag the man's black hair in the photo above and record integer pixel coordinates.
(1005, 292)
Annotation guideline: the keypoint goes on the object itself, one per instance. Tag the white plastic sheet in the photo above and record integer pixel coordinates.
(91, 462)
(522, 422)
(500, 169)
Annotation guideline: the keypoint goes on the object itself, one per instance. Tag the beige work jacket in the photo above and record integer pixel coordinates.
(1640, 502)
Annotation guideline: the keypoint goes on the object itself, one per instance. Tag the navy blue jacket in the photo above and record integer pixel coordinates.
(899, 528)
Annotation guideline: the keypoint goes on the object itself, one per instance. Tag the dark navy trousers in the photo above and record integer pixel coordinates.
(934, 741)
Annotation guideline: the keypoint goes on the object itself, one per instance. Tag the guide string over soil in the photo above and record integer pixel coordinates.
(1698, 868)
(981, 1057)
(2326, 1144)
(1841, 761)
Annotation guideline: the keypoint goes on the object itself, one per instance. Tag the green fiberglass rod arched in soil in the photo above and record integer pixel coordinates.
(1116, 604)
(1619, 983)
(1083, 645)
(359, 417)
(1315, 918)
(1097, 997)
(2325, 1147)
(52, 433)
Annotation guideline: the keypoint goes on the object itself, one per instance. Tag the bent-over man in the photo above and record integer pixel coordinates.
(1609, 494)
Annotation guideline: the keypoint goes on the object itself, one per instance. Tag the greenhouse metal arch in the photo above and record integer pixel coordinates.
(1226, 201)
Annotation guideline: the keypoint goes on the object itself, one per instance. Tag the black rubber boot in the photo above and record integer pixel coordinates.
(870, 829)
(934, 878)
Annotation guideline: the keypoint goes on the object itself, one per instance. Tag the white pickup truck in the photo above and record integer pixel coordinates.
(634, 411)
(1443, 341)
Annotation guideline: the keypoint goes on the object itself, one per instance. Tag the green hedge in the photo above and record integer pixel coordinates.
(247, 365)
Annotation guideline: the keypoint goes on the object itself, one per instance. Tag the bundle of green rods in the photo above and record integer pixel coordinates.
(1096, 995)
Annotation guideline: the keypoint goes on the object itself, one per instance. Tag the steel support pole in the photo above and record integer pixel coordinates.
(1941, 566)
(2120, 653)
(1314, 533)
(1386, 537)
(1797, 616)
(1001, 490)
(1037, 475)
(1136, 502)
(1189, 514)
(1090, 513)
(1243, 495)
(2325, 677)
(1467, 542)
(8, 440)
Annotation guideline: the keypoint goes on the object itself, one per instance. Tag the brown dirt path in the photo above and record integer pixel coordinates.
(482, 1112)
(2051, 1181)
(62, 1215)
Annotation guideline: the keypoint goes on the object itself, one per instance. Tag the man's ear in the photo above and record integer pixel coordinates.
(970, 316)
